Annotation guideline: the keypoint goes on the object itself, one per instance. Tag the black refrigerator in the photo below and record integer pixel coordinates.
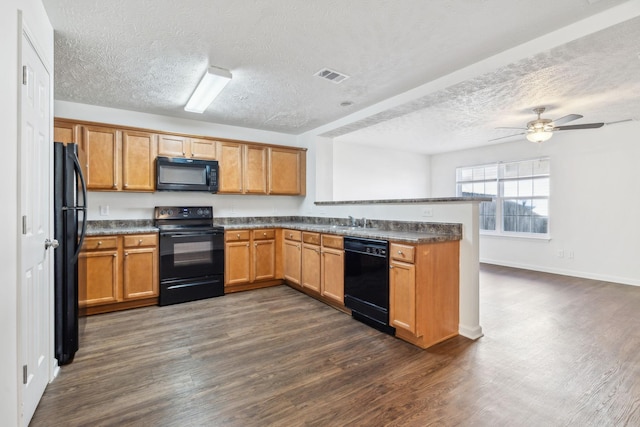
(69, 198)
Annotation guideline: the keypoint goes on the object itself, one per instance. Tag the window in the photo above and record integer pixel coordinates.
(520, 193)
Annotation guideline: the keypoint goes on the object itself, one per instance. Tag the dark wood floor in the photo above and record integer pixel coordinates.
(557, 351)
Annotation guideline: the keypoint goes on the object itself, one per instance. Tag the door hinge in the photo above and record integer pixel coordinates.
(25, 75)
(25, 374)
(24, 224)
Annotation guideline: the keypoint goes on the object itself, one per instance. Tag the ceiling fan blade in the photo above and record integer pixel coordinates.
(508, 136)
(576, 127)
(506, 127)
(619, 121)
(566, 119)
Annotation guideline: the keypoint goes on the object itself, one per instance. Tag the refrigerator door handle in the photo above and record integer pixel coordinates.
(83, 208)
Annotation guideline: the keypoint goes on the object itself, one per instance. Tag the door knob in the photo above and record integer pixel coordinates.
(49, 243)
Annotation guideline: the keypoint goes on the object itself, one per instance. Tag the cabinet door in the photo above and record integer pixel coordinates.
(333, 274)
(310, 267)
(237, 265)
(292, 262)
(172, 146)
(255, 169)
(285, 171)
(203, 148)
(264, 259)
(100, 154)
(98, 278)
(65, 132)
(140, 273)
(138, 160)
(230, 163)
(402, 296)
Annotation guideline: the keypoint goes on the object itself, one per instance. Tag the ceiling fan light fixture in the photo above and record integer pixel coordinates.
(212, 83)
(539, 135)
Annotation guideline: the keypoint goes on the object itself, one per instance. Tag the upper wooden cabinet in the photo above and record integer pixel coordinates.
(183, 146)
(67, 133)
(119, 158)
(286, 171)
(100, 152)
(138, 161)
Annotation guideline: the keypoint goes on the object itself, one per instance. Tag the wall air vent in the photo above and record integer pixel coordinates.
(331, 75)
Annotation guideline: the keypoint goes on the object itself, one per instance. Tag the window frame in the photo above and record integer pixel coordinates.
(499, 199)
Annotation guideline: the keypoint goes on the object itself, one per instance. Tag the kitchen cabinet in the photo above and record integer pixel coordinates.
(66, 132)
(139, 152)
(332, 268)
(117, 272)
(286, 171)
(243, 168)
(310, 277)
(186, 147)
(423, 291)
(99, 151)
(230, 167)
(264, 255)
(120, 158)
(112, 159)
(292, 258)
(250, 259)
(255, 169)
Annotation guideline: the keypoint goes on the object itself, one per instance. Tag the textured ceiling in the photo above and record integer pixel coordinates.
(148, 55)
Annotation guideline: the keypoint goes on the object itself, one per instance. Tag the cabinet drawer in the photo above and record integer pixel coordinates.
(311, 238)
(330, 241)
(402, 252)
(137, 240)
(292, 235)
(236, 235)
(264, 234)
(100, 242)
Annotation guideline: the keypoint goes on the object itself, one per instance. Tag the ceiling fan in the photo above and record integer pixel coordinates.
(540, 130)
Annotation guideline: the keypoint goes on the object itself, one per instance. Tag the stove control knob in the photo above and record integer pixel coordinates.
(163, 212)
(199, 211)
(170, 212)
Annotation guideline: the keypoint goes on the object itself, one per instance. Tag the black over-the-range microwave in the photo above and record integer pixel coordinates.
(176, 174)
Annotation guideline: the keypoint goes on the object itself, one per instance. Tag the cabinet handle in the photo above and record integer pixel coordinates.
(238, 235)
(125, 185)
(255, 244)
(264, 234)
(400, 253)
(126, 254)
(115, 255)
(247, 245)
(99, 242)
(390, 267)
(140, 241)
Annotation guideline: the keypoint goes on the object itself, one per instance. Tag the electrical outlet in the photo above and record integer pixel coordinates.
(570, 254)
(104, 210)
(560, 253)
(428, 212)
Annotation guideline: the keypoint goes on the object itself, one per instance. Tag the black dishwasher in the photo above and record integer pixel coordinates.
(366, 281)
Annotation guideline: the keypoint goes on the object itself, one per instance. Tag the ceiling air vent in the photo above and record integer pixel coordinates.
(331, 75)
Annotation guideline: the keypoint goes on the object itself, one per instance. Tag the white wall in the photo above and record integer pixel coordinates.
(36, 20)
(126, 205)
(370, 173)
(594, 204)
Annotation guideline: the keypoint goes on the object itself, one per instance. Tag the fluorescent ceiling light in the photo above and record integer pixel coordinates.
(212, 83)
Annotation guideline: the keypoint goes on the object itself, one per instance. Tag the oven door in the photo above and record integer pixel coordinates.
(186, 254)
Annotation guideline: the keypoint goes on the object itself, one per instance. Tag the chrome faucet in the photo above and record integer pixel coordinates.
(352, 221)
(364, 222)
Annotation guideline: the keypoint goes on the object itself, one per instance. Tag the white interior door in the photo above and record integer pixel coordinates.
(36, 265)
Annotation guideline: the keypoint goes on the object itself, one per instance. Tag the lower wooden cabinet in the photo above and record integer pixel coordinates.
(424, 291)
(250, 259)
(332, 277)
(117, 272)
(314, 262)
(292, 256)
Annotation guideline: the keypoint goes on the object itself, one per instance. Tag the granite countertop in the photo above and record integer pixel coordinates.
(135, 226)
(397, 231)
(449, 232)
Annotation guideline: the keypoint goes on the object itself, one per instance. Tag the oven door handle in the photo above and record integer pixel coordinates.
(191, 234)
